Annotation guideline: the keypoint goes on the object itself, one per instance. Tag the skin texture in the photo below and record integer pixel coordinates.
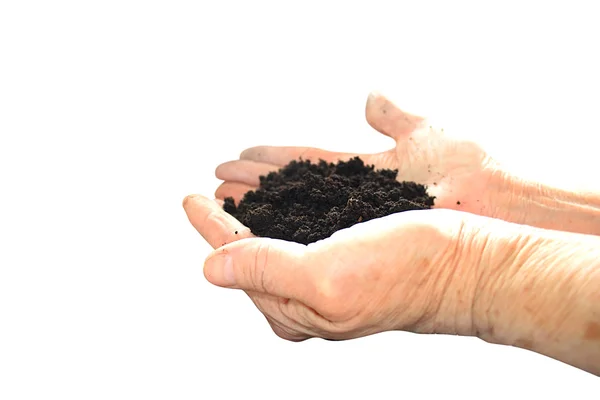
(459, 173)
(538, 290)
(366, 279)
(454, 170)
(430, 271)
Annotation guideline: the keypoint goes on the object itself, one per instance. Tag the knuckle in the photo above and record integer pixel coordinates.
(333, 294)
(212, 217)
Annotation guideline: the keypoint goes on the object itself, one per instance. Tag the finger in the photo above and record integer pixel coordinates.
(219, 202)
(233, 189)
(385, 117)
(215, 225)
(281, 156)
(287, 312)
(244, 171)
(273, 308)
(263, 265)
(286, 333)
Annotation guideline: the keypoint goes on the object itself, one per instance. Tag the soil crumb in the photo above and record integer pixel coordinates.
(305, 202)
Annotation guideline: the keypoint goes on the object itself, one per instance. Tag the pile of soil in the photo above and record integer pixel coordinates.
(304, 202)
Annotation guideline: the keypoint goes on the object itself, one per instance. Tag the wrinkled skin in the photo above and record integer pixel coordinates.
(391, 273)
(429, 271)
(455, 171)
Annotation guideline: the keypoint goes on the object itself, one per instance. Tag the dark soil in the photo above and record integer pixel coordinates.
(304, 202)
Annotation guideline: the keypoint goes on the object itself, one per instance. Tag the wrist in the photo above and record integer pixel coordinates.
(461, 309)
(520, 201)
(539, 292)
(485, 254)
(444, 282)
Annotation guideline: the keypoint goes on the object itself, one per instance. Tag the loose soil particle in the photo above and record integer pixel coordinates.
(305, 202)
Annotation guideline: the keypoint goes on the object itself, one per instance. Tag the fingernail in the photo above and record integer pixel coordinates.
(218, 269)
(374, 95)
(186, 199)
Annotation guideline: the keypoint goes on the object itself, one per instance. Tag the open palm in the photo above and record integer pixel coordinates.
(455, 171)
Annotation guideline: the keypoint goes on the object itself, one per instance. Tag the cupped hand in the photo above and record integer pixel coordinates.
(399, 272)
(456, 172)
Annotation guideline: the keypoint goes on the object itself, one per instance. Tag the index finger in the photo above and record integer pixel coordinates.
(215, 225)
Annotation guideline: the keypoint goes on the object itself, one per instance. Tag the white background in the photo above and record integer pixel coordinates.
(112, 111)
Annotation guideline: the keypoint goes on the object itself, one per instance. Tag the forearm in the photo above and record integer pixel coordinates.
(540, 290)
(524, 202)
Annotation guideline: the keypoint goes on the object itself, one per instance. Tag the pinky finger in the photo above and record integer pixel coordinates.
(284, 333)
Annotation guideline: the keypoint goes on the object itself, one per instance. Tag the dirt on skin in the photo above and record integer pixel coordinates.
(305, 202)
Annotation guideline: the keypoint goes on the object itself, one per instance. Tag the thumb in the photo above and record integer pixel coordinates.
(263, 265)
(385, 117)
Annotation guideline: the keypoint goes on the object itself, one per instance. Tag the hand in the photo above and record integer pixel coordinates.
(430, 271)
(399, 272)
(457, 172)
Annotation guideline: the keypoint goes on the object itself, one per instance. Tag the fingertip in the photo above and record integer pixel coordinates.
(236, 190)
(219, 170)
(218, 269)
(224, 170)
(387, 118)
(374, 111)
(244, 154)
(373, 96)
(251, 153)
(222, 191)
(219, 192)
(188, 199)
(194, 199)
(377, 104)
